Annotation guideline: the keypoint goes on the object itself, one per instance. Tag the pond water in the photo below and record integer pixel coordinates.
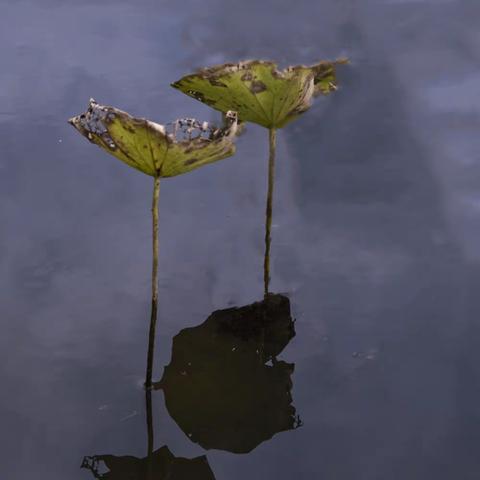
(375, 250)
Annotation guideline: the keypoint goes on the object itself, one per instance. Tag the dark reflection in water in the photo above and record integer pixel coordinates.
(224, 386)
(161, 465)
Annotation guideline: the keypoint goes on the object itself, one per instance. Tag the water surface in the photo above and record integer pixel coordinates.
(375, 238)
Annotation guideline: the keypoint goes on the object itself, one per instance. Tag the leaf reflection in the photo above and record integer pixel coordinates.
(224, 386)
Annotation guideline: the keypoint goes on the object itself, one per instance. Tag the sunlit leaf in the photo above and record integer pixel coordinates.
(259, 91)
(150, 147)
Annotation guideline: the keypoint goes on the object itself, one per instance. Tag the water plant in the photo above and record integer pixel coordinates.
(262, 93)
(159, 151)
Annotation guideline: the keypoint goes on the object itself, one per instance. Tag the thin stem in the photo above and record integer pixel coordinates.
(148, 408)
(150, 444)
(153, 316)
(272, 133)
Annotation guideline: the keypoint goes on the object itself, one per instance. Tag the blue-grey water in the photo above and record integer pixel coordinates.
(375, 237)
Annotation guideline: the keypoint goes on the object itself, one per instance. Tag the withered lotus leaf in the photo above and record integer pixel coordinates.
(149, 147)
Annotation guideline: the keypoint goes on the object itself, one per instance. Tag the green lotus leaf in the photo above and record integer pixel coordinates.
(259, 91)
(149, 147)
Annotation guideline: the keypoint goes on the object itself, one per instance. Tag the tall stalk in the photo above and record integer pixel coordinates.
(153, 315)
(272, 134)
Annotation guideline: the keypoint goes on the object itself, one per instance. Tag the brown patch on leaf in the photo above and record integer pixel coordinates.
(216, 83)
(257, 86)
(297, 110)
(191, 161)
(276, 74)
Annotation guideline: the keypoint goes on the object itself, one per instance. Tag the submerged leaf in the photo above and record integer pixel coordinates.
(150, 147)
(259, 91)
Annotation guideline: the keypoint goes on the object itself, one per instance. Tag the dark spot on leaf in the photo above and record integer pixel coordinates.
(247, 77)
(275, 73)
(194, 144)
(197, 95)
(191, 161)
(216, 83)
(257, 86)
(297, 110)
